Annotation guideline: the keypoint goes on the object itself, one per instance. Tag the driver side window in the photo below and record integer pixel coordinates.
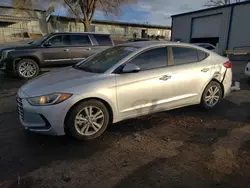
(60, 40)
(151, 59)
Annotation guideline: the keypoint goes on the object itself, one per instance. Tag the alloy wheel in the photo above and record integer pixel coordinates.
(89, 120)
(27, 69)
(212, 96)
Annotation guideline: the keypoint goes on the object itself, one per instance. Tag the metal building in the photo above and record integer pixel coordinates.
(226, 26)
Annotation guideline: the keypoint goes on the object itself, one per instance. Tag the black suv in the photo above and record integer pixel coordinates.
(52, 50)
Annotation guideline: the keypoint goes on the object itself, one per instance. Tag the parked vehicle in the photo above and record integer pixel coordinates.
(247, 70)
(52, 50)
(122, 82)
(206, 46)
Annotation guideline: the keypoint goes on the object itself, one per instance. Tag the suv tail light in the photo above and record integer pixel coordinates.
(228, 64)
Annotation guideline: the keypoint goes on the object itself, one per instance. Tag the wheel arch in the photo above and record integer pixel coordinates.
(34, 58)
(107, 105)
(215, 80)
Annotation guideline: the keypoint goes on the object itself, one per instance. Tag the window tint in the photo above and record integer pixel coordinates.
(184, 55)
(202, 55)
(60, 40)
(80, 40)
(103, 40)
(210, 47)
(151, 59)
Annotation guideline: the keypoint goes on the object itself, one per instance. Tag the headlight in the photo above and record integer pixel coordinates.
(49, 99)
(5, 53)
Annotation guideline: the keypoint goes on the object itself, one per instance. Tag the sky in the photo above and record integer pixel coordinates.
(156, 12)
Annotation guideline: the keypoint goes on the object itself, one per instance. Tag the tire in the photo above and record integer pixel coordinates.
(27, 69)
(207, 95)
(77, 123)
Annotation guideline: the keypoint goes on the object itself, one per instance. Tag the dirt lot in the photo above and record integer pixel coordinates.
(184, 148)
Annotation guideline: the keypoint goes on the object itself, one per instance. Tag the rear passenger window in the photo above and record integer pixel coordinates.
(184, 55)
(103, 40)
(80, 40)
(202, 55)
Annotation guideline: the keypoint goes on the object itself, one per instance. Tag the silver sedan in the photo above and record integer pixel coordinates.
(122, 82)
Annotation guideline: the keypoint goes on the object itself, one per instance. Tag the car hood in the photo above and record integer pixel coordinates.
(60, 80)
(17, 46)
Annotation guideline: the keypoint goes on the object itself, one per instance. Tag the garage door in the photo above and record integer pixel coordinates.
(208, 26)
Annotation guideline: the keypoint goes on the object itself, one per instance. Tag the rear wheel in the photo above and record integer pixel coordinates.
(88, 120)
(211, 95)
(27, 69)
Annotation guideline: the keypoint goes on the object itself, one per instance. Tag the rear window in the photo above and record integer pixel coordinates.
(103, 40)
(80, 40)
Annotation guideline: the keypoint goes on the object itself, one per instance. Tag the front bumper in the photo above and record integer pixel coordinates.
(6, 65)
(42, 119)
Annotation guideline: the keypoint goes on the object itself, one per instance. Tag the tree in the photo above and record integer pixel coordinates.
(213, 3)
(84, 10)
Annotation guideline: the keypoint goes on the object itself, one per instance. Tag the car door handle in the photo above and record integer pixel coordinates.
(165, 78)
(66, 50)
(88, 49)
(205, 70)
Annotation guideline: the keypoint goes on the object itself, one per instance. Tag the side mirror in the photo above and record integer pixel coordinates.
(130, 68)
(47, 44)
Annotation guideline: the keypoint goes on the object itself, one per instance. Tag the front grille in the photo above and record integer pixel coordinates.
(20, 107)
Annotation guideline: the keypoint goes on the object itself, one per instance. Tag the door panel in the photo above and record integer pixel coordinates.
(145, 92)
(187, 82)
(54, 56)
(80, 53)
(58, 52)
(142, 93)
(80, 48)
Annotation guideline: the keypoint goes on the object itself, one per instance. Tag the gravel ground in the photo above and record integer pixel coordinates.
(183, 148)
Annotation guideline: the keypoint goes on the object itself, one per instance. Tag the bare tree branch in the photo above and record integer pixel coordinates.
(82, 10)
(213, 3)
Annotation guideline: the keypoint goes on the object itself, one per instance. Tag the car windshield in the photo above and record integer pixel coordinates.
(104, 60)
(40, 40)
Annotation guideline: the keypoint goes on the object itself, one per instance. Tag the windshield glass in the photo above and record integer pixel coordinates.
(41, 39)
(104, 60)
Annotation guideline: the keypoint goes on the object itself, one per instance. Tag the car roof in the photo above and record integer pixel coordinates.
(147, 44)
(88, 33)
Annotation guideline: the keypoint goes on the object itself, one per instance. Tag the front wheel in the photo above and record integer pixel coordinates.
(88, 120)
(27, 69)
(211, 95)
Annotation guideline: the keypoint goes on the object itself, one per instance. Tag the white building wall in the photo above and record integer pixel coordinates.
(114, 30)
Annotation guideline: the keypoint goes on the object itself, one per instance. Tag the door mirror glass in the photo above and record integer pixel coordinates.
(130, 68)
(47, 44)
